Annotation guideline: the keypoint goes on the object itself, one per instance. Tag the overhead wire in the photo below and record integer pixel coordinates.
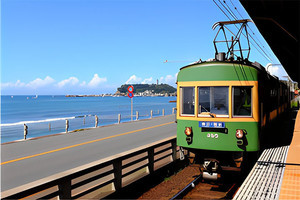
(225, 15)
(264, 54)
(230, 12)
(235, 17)
(247, 24)
(236, 9)
(221, 10)
(267, 54)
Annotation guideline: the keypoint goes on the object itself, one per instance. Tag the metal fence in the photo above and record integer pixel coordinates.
(31, 130)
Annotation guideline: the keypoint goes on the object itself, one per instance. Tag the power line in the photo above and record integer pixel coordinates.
(236, 9)
(234, 16)
(247, 24)
(221, 10)
(249, 28)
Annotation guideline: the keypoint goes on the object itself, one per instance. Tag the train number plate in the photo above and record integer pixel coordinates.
(212, 135)
(212, 124)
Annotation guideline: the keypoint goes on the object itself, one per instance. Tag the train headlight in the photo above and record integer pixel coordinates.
(188, 131)
(239, 134)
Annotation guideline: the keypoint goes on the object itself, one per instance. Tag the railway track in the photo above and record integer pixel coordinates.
(188, 184)
(199, 189)
(187, 188)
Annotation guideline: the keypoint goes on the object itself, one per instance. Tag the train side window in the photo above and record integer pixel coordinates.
(187, 100)
(242, 101)
(204, 99)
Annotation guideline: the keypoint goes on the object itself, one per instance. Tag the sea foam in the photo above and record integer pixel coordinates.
(37, 121)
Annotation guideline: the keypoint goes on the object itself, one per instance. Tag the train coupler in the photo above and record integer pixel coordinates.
(211, 169)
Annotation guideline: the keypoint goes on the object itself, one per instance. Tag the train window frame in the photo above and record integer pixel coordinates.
(209, 113)
(182, 101)
(233, 106)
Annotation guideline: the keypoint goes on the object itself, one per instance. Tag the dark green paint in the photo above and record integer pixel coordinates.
(224, 142)
(218, 72)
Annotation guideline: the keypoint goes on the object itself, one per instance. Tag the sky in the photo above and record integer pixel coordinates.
(52, 47)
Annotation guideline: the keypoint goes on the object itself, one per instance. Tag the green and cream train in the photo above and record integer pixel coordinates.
(222, 108)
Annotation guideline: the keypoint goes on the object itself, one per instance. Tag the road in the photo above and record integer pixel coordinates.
(27, 161)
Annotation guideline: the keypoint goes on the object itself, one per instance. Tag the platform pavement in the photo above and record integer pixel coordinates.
(266, 179)
(290, 188)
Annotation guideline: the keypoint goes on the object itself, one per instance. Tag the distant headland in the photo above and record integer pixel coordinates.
(148, 90)
(139, 90)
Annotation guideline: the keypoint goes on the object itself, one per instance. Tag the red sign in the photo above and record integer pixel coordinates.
(130, 95)
(130, 89)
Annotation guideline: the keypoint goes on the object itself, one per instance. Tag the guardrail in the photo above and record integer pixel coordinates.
(100, 178)
(41, 128)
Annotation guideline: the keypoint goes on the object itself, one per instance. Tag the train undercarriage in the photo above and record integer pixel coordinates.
(213, 164)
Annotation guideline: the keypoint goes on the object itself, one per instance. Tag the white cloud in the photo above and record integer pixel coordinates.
(37, 86)
(18, 83)
(49, 86)
(96, 80)
(68, 82)
(83, 84)
(169, 79)
(273, 70)
(161, 79)
(37, 83)
(147, 80)
(133, 79)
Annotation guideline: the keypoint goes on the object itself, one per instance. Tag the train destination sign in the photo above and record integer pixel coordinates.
(212, 124)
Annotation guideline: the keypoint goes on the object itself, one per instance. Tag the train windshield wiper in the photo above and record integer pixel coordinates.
(210, 114)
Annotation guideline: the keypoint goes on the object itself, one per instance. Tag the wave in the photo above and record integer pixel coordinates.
(37, 121)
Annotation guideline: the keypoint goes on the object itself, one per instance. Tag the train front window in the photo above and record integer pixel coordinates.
(242, 101)
(187, 100)
(213, 101)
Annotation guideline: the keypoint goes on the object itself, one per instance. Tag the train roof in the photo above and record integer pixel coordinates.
(255, 66)
(248, 63)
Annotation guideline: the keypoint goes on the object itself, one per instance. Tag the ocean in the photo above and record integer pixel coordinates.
(46, 115)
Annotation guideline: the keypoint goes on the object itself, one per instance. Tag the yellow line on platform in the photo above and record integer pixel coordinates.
(89, 142)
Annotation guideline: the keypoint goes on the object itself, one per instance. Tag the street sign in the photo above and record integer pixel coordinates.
(130, 89)
(130, 95)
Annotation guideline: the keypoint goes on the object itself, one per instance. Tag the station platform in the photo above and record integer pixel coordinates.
(276, 174)
(290, 188)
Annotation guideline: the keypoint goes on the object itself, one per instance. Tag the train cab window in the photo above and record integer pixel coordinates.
(187, 100)
(242, 101)
(213, 101)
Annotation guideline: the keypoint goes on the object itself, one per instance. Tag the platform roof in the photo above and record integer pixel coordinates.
(279, 23)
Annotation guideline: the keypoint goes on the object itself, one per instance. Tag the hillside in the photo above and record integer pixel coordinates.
(154, 88)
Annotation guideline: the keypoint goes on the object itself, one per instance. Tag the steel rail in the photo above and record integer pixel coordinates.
(187, 188)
